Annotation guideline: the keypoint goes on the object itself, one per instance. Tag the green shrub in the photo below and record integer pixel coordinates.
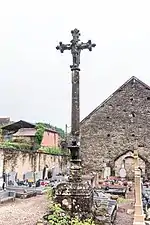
(49, 126)
(40, 128)
(20, 140)
(76, 221)
(1, 135)
(58, 216)
(15, 145)
(54, 151)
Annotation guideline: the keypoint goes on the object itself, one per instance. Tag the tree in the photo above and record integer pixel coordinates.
(40, 128)
(59, 130)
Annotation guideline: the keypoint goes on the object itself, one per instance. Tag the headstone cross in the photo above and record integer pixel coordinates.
(75, 46)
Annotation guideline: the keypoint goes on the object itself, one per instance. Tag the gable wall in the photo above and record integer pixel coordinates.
(50, 139)
(109, 131)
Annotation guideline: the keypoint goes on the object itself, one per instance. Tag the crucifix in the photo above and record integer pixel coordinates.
(75, 47)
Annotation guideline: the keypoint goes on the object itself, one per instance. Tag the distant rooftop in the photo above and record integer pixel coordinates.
(25, 132)
(15, 126)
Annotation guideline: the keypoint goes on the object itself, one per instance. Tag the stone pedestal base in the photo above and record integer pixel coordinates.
(138, 220)
(138, 215)
(75, 197)
(138, 223)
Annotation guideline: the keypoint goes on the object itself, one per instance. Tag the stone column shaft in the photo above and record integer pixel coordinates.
(75, 117)
(138, 214)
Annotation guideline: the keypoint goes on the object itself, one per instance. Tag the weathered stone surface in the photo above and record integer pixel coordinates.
(6, 196)
(130, 211)
(75, 197)
(22, 192)
(114, 126)
(104, 209)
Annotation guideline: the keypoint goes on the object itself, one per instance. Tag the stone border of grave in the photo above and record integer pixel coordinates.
(6, 196)
(22, 192)
(105, 209)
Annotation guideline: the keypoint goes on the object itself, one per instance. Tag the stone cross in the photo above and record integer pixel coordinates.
(75, 195)
(75, 46)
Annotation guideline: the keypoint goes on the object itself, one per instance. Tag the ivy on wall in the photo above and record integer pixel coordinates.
(54, 151)
(60, 131)
(40, 128)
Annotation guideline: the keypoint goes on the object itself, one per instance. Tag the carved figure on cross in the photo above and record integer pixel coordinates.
(75, 46)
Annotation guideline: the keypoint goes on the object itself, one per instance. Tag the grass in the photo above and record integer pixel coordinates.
(122, 200)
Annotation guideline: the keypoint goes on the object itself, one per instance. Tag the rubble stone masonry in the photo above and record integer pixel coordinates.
(117, 126)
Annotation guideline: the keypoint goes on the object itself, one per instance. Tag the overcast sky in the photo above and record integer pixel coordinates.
(35, 78)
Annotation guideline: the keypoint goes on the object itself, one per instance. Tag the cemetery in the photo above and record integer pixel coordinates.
(95, 185)
(90, 201)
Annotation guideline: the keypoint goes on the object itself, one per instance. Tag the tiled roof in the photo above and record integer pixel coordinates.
(25, 132)
(22, 124)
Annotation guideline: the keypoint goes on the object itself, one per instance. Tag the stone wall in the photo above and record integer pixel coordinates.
(115, 125)
(22, 162)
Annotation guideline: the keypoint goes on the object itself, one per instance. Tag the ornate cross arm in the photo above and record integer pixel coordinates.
(63, 47)
(75, 46)
(87, 45)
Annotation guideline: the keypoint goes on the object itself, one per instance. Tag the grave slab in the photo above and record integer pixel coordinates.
(6, 196)
(22, 192)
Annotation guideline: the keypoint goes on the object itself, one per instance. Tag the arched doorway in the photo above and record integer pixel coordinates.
(126, 161)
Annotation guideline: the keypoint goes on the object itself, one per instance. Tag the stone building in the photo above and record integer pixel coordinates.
(27, 131)
(114, 129)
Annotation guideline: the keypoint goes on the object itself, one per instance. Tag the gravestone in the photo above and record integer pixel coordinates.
(29, 176)
(104, 209)
(11, 177)
(55, 171)
(122, 173)
(107, 172)
(38, 175)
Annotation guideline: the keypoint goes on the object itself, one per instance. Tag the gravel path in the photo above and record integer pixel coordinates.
(23, 211)
(28, 211)
(123, 218)
(124, 214)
